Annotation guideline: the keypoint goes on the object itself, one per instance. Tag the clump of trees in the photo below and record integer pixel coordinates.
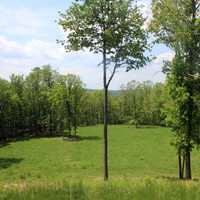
(44, 103)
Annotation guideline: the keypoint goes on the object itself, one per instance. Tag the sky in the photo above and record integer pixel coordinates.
(28, 34)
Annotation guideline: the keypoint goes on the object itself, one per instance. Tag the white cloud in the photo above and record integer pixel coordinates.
(167, 56)
(19, 21)
(31, 49)
(20, 58)
(146, 11)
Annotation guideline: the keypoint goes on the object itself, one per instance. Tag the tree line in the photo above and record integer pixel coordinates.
(46, 103)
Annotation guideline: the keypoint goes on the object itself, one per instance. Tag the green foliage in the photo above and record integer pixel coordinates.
(40, 104)
(66, 98)
(143, 103)
(92, 25)
(46, 103)
(175, 23)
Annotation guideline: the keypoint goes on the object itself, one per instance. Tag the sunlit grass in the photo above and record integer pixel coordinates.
(138, 189)
(143, 165)
(133, 153)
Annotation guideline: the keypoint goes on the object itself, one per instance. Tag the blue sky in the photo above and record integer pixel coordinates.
(28, 34)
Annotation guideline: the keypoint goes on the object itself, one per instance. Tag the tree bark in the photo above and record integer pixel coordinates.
(181, 163)
(105, 116)
(69, 118)
(188, 174)
(180, 167)
(75, 122)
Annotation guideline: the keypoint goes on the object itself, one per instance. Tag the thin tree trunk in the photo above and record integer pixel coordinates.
(181, 162)
(69, 118)
(188, 174)
(51, 124)
(105, 117)
(69, 126)
(180, 167)
(183, 166)
(75, 123)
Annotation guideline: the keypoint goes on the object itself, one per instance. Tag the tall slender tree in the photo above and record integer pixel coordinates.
(113, 28)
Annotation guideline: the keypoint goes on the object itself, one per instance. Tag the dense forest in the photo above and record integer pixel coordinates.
(46, 103)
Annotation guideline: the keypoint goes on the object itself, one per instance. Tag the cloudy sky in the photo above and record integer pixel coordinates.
(28, 34)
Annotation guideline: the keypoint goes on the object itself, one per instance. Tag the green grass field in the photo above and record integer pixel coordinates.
(134, 155)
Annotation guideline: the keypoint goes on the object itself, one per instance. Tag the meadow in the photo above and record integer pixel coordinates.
(140, 159)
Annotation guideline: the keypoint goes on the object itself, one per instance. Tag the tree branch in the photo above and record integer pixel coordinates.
(197, 7)
(112, 75)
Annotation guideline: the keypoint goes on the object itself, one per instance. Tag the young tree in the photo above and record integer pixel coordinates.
(36, 92)
(65, 98)
(73, 91)
(176, 24)
(113, 28)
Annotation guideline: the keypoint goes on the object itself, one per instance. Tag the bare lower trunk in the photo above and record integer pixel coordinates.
(180, 166)
(69, 118)
(181, 163)
(106, 134)
(188, 174)
(75, 125)
(105, 117)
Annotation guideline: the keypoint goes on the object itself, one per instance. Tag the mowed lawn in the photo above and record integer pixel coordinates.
(142, 152)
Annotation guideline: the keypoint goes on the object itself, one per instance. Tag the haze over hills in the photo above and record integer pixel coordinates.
(112, 92)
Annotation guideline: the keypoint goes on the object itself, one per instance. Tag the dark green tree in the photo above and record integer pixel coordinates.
(176, 24)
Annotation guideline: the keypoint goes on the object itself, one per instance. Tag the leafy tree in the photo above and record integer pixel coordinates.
(37, 86)
(66, 98)
(113, 28)
(176, 24)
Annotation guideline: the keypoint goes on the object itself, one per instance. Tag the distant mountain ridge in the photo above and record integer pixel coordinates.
(112, 92)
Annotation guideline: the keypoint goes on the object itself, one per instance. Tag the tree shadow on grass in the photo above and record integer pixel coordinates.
(8, 162)
(145, 127)
(21, 139)
(4, 144)
(81, 138)
(90, 138)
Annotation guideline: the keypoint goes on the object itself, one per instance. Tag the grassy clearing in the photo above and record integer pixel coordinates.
(133, 153)
(51, 168)
(140, 189)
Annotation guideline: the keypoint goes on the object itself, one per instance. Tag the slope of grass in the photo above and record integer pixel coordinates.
(133, 153)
